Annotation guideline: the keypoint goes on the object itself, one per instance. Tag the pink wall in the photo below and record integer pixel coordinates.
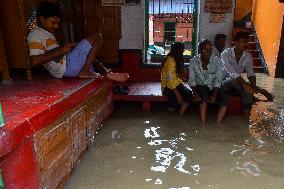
(182, 29)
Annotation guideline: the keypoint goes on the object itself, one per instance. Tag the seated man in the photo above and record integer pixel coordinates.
(235, 60)
(205, 79)
(70, 60)
(219, 45)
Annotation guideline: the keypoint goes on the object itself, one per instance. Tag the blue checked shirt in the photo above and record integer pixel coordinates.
(197, 76)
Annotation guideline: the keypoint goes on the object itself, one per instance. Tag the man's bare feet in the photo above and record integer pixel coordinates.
(122, 77)
(89, 75)
(183, 107)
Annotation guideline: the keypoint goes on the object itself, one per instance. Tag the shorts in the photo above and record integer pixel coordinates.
(76, 59)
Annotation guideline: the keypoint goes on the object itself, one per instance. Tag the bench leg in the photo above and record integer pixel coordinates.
(146, 106)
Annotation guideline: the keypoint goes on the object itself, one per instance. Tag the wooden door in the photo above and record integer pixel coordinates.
(279, 72)
(72, 23)
(3, 61)
(107, 21)
(14, 17)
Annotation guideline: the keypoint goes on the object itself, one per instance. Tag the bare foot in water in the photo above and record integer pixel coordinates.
(90, 75)
(183, 107)
(122, 77)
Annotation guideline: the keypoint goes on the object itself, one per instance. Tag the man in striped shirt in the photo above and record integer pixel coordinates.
(70, 60)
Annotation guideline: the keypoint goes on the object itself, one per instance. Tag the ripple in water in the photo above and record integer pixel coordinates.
(267, 119)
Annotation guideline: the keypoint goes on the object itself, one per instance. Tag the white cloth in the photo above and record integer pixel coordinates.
(40, 41)
(215, 52)
(205, 74)
(234, 69)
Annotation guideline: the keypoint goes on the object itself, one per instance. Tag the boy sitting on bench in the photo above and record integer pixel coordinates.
(70, 60)
(235, 60)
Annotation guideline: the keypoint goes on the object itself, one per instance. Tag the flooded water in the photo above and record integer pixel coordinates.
(135, 150)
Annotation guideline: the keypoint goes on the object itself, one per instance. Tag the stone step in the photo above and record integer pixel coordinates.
(254, 53)
(256, 61)
(236, 30)
(258, 69)
(251, 46)
(251, 38)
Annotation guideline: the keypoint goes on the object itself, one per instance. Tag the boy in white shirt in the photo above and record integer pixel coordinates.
(219, 45)
(235, 60)
(70, 60)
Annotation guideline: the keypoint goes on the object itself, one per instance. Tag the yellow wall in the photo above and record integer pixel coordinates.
(243, 7)
(267, 18)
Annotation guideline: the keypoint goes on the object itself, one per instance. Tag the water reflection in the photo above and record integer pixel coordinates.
(267, 119)
(169, 153)
(248, 168)
(266, 125)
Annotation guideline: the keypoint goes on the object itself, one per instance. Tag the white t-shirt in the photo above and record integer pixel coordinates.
(40, 41)
(205, 74)
(234, 69)
(215, 52)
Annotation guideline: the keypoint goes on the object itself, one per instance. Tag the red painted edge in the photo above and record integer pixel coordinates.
(15, 132)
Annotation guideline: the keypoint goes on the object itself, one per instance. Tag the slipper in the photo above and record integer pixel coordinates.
(125, 88)
(171, 109)
(116, 90)
(123, 91)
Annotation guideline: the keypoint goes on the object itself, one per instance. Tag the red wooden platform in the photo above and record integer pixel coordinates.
(144, 92)
(29, 106)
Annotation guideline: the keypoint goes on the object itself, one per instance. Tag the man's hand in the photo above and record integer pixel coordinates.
(212, 99)
(249, 89)
(67, 47)
(267, 94)
(196, 97)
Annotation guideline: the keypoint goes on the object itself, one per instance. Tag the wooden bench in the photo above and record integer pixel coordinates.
(147, 92)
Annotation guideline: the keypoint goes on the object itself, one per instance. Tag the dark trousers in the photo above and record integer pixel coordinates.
(233, 86)
(185, 92)
(205, 93)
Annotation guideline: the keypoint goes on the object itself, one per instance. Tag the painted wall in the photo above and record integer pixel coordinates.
(243, 7)
(267, 18)
(209, 30)
(133, 26)
(183, 30)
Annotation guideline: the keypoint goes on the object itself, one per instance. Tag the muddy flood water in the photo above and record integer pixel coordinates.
(163, 150)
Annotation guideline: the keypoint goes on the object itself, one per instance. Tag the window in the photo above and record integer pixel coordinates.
(169, 21)
(169, 32)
